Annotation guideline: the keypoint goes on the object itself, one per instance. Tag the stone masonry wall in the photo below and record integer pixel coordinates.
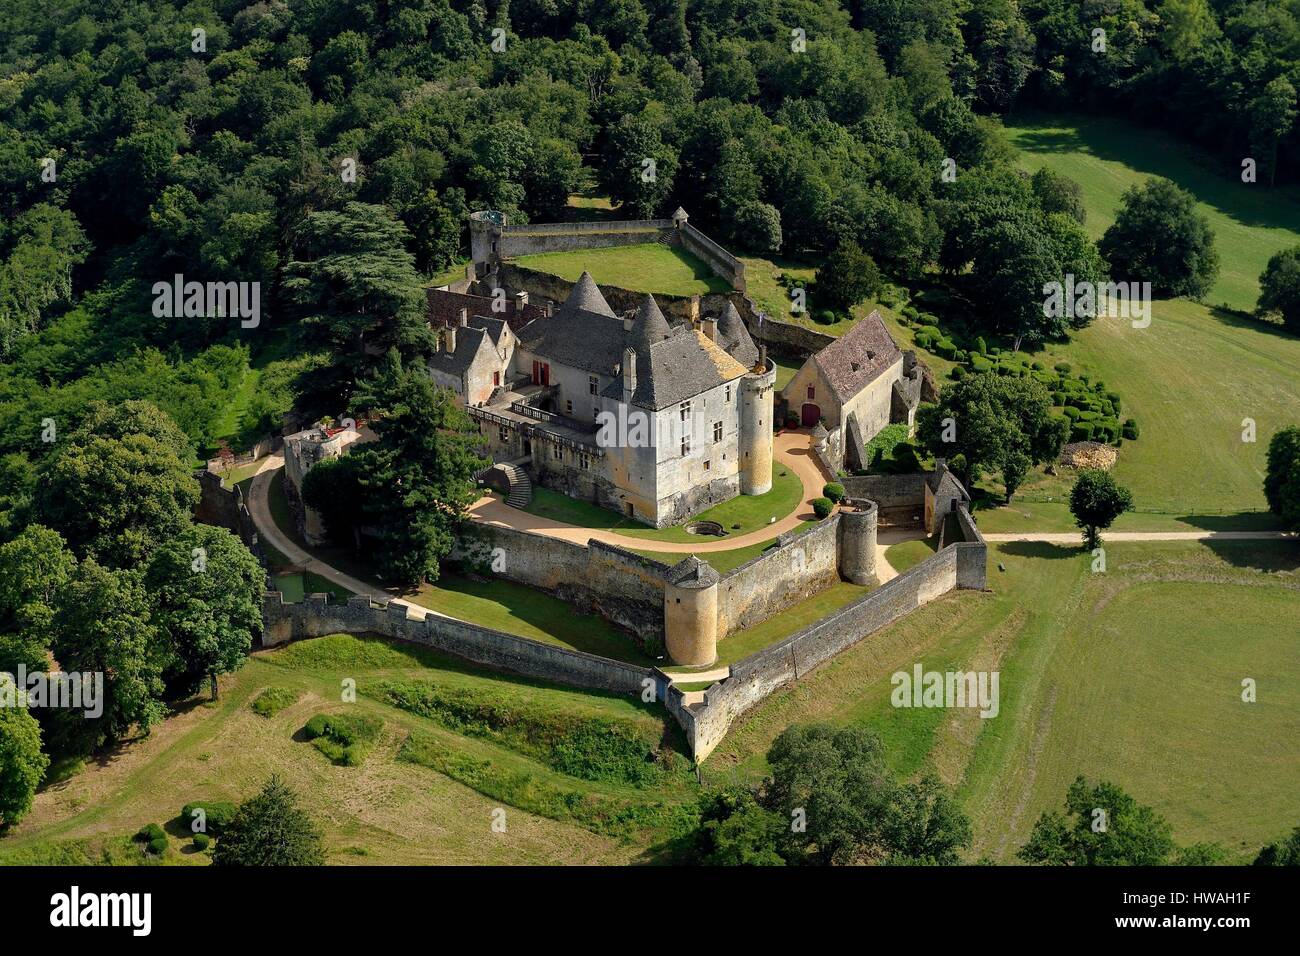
(620, 586)
(803, 563)
(757, 676)
(317, 616)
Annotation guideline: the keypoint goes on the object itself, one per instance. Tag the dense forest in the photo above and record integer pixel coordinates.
(142, 138)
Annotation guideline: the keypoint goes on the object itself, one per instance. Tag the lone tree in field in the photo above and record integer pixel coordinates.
(1159, 237)
(1282, 477)
(1104, 826)
(847, 277)
(1279, 288)
(1096, 501)
(270, 830)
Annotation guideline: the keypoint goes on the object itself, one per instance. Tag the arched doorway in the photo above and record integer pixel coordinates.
(811, 414)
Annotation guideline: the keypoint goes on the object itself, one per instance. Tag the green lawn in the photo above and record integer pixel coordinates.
(1106, 156)
(742, 643)
(908, 554)
(1133, 675)
(750, 512)
(645, 267)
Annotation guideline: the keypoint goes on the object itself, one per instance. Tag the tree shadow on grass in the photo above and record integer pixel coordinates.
(1240, 521)
(1040, 549)
(1271, 557)
(1244, 320)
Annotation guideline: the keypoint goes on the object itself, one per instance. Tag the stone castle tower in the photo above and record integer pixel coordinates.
(756, 403)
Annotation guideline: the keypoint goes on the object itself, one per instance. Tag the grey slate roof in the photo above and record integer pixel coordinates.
(677, 368)
(734, 337)
(468, 340)
(673, 363)
(691, 572)
(649, 326)
(858, 357)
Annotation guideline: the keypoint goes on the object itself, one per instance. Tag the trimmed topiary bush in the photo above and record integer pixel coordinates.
(834, 491)
(1081, 431)
(822, 507)
(1130, 430)
(1062, 367)
(154, 838)
(202, 841)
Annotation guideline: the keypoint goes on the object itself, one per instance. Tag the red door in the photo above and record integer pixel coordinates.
(546, 374)
(811, 414)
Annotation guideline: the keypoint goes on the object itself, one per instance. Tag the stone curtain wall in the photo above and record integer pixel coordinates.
(757, 676)
(528, 240)
(621, 586)
(317, 616)
(722, 262)
(803, 563)
(972, 553)
(225, 508)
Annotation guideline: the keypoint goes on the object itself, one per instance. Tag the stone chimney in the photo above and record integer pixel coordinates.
(464, 317)
(629, 375)
(709, 326)
(521, 300)
(449, 337)
(550, 308)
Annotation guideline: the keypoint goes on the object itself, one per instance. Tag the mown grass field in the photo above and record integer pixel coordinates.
(644, 267)
(388, 810)
(1133, 675)
(1107, 156)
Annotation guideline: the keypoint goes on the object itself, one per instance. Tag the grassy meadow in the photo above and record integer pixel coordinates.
(1133, 675)
(391, 808)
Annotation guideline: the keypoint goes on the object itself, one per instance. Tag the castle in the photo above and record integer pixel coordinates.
(654, 420)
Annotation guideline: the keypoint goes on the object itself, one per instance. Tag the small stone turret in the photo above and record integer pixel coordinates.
(691, 613)
(756, 427)
(485, 230)
(858, 542)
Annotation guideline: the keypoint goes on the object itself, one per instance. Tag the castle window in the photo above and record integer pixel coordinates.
(717, 432)
(812, 393)
(504, 434)
(686, 410)
(584, 460)
(592, 382)
(727, 394)
(568, 406)
(707, 464)
(558, 451)
(686, 445)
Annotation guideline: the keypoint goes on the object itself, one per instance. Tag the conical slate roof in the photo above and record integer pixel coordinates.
(691, 572)
(649, 326)
(734, 337)
(586, 296)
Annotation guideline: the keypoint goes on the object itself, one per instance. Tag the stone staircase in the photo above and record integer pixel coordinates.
(521, 488)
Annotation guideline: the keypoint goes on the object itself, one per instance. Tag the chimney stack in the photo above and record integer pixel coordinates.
(450, 335)
(629, 375)
(521, 300)
(709, 326)
(464, 317)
